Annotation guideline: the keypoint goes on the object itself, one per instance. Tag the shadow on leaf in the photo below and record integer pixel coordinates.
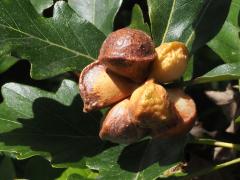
(64, 132)
(140, 156)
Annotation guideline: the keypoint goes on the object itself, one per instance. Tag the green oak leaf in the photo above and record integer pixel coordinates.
(193, 22)
(137, 20)
(65, 42)
(237, 120)
(220, 73)
(101, 13)
(52, 125)
(6, 62)
(189, 70)
(78, 174)
(148, 159)
(227, 42)
(41, 5)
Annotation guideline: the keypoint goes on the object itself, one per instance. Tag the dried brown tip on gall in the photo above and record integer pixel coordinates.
(149, 105)
(128, 52)
(118, 127)
(184, 108)
(99, 88)
(171, 62)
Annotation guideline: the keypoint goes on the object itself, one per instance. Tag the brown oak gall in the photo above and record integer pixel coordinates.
(184, 115)
(127, 58)
(119, 127)
(128, 52)
(100, 88)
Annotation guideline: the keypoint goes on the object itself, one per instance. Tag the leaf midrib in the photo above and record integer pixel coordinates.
(8, 120)
(48, 42)
(169, 21)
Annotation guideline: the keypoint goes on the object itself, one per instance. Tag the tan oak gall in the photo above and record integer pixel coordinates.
(149, 105)
(128, 52)
(119, 127)
(127, 58)
(171, 62)
(100, 88)
(183, 113)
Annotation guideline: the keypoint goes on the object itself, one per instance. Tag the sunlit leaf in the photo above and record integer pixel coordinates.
(148, 159)
(6, 62)
(41, 5)
(137, 20)
(227, 42)
(193, 22)
(53, 46)
(220, 73)
(52, 125)
(101, 13)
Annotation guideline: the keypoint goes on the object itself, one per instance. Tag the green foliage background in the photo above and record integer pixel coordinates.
(42, 125)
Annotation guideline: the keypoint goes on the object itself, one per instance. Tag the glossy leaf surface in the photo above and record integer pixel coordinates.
(54, 45)
(41, 5)
(227, 42)
(52, 125)
(148, 159)
(220, 73)
(137, 20)
(192, 22)
(101, 13)
(6, 62)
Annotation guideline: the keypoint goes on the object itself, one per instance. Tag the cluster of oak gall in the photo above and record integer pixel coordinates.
(125, 78)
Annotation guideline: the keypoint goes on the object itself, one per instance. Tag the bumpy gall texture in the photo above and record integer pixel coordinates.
(171, 62)
(100, 88)
(128, 52)
(119, 127)
(127, 58)
(184, 115)
(149, 105)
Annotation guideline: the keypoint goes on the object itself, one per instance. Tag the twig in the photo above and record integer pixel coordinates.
(212, 169)
(213, 142)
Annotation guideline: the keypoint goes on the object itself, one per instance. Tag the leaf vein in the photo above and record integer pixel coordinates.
(30, 19)
(14, 122)
(4, 21)
(9, 14)
(75, 33)
(169, 21)
(63, 43)
(49, 42)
